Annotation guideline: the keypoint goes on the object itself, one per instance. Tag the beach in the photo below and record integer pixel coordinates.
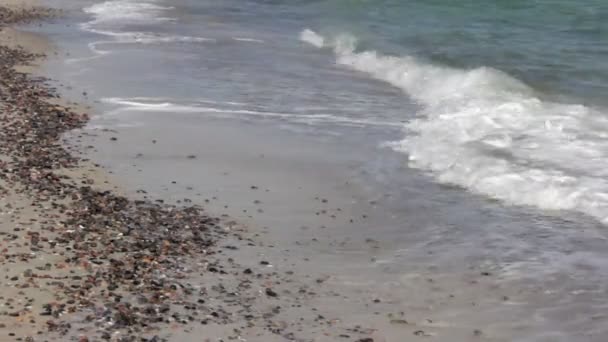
(126, 215)
(73, 243)
(76, 265)
(83, 263)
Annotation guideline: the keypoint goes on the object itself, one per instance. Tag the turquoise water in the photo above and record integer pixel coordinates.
(558, 47)
(512, 93)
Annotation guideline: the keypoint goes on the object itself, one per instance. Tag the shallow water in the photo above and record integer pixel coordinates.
(479, 128)
(526, 129)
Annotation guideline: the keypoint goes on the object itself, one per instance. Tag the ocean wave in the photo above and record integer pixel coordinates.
(491, 134)
(107, 15)
(132, 39)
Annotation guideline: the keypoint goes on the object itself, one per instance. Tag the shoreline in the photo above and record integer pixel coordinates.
(87, 264)
(106, 264)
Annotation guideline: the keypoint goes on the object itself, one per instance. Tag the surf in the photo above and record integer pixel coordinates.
(490, 133)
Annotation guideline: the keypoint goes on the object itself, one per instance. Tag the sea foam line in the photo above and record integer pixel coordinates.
(151, 105)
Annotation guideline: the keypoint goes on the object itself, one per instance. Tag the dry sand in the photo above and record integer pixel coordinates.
(19, 3)
(19, 216)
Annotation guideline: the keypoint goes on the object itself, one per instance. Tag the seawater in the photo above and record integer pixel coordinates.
(502, 99)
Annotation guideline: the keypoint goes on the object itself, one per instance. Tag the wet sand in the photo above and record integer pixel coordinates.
(311, 221)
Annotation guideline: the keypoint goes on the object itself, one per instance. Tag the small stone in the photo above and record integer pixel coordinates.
(270, 292)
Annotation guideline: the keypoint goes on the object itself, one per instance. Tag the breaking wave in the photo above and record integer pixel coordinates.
(491, 134)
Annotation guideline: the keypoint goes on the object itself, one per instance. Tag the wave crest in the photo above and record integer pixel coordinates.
(488, 132)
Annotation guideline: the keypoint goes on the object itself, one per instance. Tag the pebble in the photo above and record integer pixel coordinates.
(270, 292)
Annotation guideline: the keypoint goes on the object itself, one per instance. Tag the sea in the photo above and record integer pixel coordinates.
(485, 122)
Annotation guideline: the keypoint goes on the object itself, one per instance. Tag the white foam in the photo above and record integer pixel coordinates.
(127, 11)
(488, 132)
(312, 38)
(132, 38)
(151, 105)
(152, 39)
(132, 105)
(144, 37)
(143, 99)
(114, 12)
(248, 40)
